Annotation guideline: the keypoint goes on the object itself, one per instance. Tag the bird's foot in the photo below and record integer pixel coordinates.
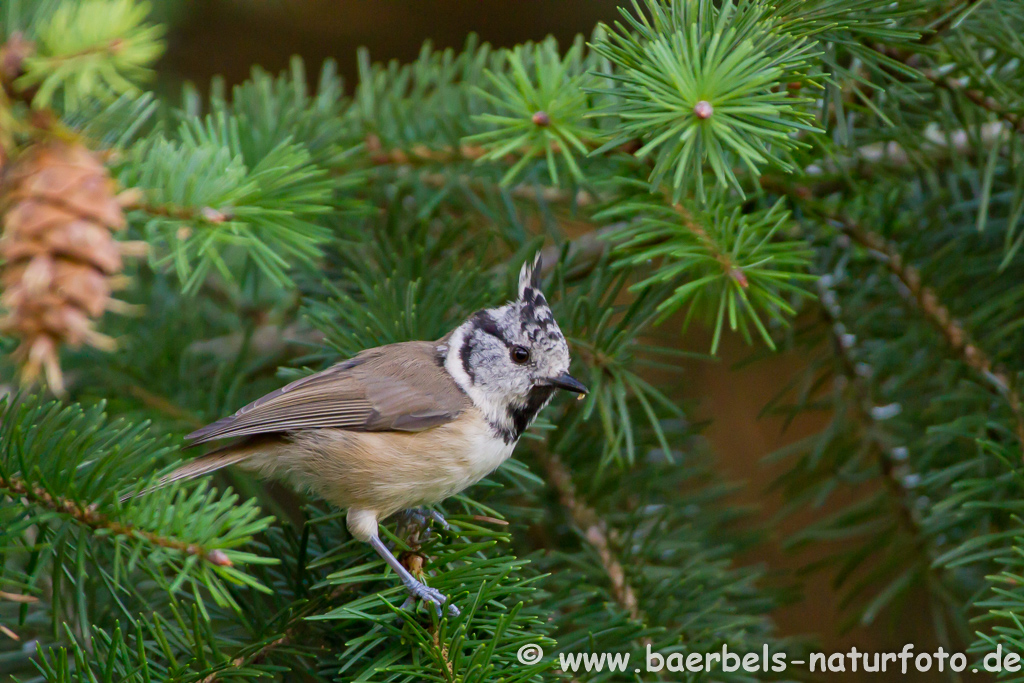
(420, 591)
(416, 522)
(422, 515)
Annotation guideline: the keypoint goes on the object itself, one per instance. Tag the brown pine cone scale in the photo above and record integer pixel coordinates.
(60, 258)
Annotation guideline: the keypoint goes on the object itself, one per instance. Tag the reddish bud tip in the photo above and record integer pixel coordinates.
(213, 215)
(739, 276)
(541, 118)
(703, 109)
(219, 558)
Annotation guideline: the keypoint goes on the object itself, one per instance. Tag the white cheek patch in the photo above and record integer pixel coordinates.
(453, 363)
(494, 410)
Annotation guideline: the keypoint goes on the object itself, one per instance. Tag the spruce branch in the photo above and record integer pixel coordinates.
(593, 529)
(256, 657)
(95, 49)
(895, 550)
(207, 214)
(89, 516)
(419, 153)
(1015, 120)
(18, 597)
(543, 104)
(706, 83)
(420, 158)
(891, 463)
(938, 314)
(66, 466)
(210, 203)
(730, 267)
(949, 19)
(545, 194)
(274, 110)
(604, 333)
(721, 262)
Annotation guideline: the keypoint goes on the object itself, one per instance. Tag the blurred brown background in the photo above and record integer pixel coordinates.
(228, 37)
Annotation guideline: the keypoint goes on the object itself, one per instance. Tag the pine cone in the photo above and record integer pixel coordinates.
(59, 253)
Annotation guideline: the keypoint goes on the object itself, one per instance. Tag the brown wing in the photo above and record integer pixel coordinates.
(401, 387)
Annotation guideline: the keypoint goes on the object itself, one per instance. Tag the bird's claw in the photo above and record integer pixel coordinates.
(419, 591)
(439, 518)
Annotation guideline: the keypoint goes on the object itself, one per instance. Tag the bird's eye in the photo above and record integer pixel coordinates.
(520, 354)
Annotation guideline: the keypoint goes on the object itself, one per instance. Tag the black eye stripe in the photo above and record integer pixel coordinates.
(464, 354)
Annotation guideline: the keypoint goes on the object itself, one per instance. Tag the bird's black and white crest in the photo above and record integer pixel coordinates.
(529, 275)
(505, 358)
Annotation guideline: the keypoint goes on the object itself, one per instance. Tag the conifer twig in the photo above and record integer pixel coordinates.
(253, 658)
(595, 531)
(544, 193)
(420, 153)
(287, 637)
(136, 201)
(731, 268)
(943, 25)
(892, 467)
(938, 314)
(1016, 121)
(442, 649)
(164, 405)
(89, 517)
(446, 154)
(18, 597)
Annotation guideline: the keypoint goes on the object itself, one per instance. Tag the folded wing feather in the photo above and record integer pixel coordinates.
(400, 387)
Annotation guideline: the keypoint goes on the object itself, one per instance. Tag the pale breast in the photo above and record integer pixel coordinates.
(390, 471)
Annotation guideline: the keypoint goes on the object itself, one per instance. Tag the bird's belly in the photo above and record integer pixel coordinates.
(390, 471)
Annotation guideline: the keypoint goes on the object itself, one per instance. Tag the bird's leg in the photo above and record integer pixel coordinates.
(417, 589)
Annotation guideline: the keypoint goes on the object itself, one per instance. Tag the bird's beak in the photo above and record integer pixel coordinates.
(567, 382)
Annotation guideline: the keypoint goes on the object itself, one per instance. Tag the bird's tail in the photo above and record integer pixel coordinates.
(211, 462)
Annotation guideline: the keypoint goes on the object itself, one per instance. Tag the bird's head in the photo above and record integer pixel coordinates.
(511, 359)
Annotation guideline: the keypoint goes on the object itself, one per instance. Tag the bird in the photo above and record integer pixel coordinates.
(406, 425)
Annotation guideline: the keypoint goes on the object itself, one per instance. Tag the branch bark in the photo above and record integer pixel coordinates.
(1012, 119)
(88, 516)
(594, 530)
(938, 314)
(893, 467)
(944, 24)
